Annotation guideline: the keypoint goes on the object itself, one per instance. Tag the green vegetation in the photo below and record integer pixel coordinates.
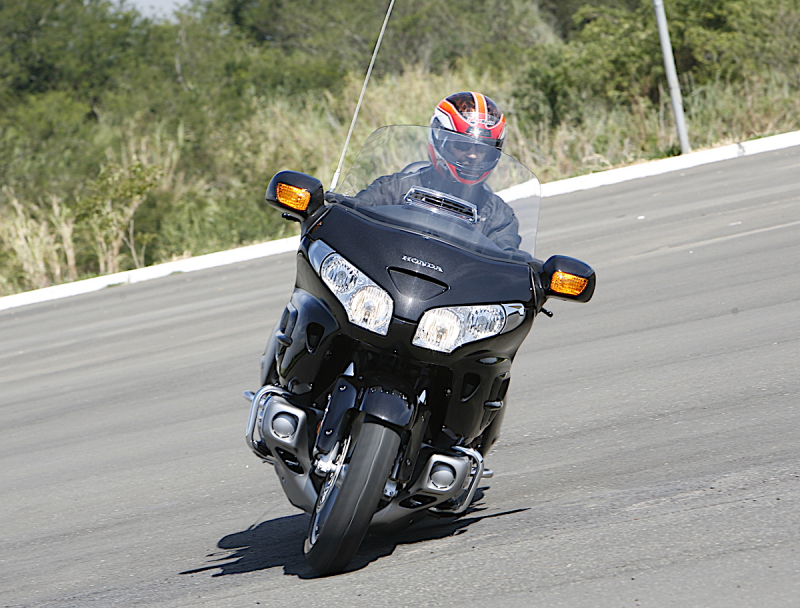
(126, 141)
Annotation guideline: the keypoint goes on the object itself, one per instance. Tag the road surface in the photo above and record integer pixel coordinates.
(650, 455)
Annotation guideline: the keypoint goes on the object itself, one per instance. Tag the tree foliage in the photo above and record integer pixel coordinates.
(342, 33)
(613, 54)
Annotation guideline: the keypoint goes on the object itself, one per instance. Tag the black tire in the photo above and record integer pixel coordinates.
(342, 515)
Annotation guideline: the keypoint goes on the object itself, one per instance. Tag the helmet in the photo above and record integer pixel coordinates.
(466, 137)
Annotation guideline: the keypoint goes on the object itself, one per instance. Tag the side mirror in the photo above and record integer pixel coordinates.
(568, 279)
(296, 195)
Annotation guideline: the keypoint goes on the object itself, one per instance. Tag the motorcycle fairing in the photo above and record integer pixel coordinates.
(379, 250)
(318, 342)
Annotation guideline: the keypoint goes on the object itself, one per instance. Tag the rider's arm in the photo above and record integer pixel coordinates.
(501, 225)
(386, 190)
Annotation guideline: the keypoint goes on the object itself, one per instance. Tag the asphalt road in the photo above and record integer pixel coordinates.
(650, 456)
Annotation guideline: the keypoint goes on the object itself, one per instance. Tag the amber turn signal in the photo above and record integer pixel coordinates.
(292, 196)
(568, 284)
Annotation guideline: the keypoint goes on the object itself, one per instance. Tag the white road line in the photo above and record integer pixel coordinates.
(696, 244)
(242, 254)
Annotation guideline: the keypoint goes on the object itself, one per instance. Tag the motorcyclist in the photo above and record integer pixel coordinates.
(466, 137)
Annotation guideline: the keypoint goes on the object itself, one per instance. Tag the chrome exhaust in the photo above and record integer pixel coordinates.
(283, 442)
(477, 473)
(442, 479)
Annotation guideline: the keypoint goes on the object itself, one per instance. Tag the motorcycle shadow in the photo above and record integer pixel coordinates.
(278, 543)
(271, 544)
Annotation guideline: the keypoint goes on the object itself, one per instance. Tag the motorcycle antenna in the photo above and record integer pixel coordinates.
(335, 179)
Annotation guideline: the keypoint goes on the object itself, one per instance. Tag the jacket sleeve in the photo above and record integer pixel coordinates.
(387, 190)
(501, 225)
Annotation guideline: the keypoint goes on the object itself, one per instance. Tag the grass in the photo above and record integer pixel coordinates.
(40, 241)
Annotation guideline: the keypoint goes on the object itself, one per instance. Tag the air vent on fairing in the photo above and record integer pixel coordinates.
(440, 202)
(416, 286)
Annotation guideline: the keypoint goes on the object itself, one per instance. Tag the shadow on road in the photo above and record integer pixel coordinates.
(279, 543)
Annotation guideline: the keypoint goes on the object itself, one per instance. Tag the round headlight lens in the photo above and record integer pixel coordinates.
(439, 329)
(485, 321)
(370, 307)
(339, 274)
(445, 329)
(367, 305)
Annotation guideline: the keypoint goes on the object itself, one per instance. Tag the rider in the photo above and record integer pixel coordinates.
(465, 140)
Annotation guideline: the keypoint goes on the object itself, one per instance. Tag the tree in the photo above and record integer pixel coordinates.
(109, 208)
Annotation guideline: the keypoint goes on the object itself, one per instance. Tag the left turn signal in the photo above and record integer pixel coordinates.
(292, 196)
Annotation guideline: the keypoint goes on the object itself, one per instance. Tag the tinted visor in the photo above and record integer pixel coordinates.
(467, 149)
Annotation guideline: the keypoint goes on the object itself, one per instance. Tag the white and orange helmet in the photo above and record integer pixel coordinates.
(466, 137)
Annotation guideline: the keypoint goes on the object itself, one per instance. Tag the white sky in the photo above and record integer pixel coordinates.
(152, 8)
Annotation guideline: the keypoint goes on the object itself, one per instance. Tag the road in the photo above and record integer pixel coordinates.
(650, 455)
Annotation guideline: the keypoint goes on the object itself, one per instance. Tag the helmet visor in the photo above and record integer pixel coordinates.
(466, 149)
(470, 154)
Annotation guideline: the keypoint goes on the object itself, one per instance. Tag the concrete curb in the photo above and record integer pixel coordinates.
(243, 254)
(674, 163)
(201, 262)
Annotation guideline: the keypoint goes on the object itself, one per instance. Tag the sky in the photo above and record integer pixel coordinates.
(153, 8)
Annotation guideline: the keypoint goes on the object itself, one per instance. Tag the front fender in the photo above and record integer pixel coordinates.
(343, 399)
(389, 407)
(375, 401)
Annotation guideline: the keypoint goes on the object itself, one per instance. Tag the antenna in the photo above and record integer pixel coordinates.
(335, 179)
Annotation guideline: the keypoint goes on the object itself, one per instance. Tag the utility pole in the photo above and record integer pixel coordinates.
(672, 76)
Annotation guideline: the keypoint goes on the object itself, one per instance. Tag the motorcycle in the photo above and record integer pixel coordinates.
(384, 383)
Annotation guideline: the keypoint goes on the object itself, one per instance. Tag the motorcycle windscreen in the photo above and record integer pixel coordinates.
(483, 201)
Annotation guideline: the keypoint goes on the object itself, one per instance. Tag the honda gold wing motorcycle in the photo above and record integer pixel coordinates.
(385, 380)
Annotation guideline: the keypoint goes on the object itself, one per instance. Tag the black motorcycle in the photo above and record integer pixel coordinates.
(384, 384)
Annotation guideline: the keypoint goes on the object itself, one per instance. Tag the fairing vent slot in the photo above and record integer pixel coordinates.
(469, 386)
(314, 333)
(416, 286)
(499, 388)
(290, 460)
(442, 203)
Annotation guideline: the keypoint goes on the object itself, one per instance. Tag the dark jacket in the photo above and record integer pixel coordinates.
(495, 218)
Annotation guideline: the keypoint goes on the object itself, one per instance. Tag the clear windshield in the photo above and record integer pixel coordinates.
(394, 180)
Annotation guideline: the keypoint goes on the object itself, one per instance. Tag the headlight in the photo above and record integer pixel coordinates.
(445, 329)
(367, 305)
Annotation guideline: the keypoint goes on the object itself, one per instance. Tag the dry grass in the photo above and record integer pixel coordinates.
(37, 238)
(716, 115)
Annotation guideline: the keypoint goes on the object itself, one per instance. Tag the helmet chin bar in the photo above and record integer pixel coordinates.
(466, 176)
(451, 171)
(465, 171)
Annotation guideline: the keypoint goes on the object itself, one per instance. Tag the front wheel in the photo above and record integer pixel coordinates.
(349, 497)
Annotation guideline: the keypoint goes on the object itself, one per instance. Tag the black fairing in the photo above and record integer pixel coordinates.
(316, 342)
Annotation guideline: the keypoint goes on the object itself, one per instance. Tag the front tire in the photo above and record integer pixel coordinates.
(348, 499)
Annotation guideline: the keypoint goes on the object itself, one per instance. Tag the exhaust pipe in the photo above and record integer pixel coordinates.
(283, 442)
(442, 476)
